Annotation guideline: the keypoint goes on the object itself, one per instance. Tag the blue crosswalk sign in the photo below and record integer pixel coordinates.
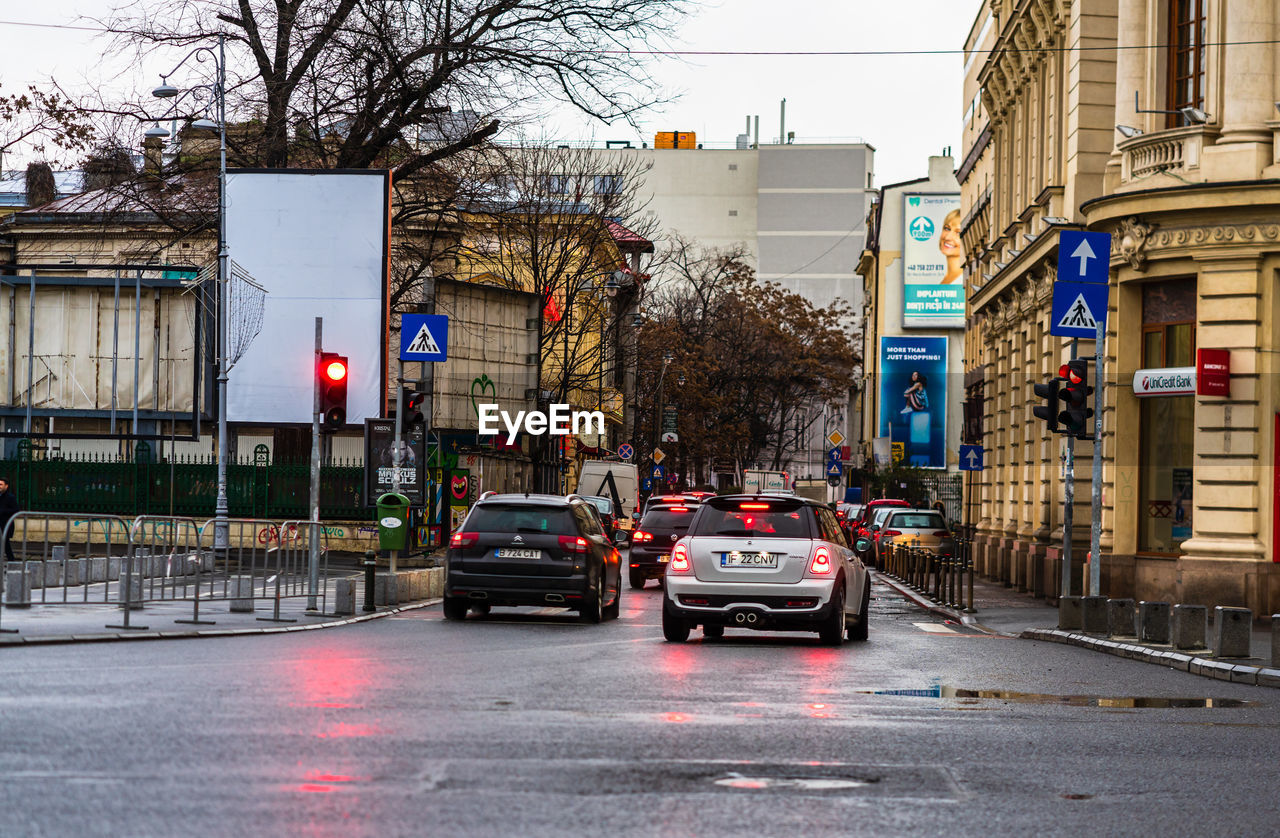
(1084, 257)
(1078, 309)
(424, 337)
(835, 469)
(971, 458)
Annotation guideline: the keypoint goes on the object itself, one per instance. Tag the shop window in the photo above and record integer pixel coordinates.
(1186, 58)
(1167, 449)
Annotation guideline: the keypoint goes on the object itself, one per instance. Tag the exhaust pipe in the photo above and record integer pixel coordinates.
(739, 618)
(478, 595)
(555, 597)
(751, 617)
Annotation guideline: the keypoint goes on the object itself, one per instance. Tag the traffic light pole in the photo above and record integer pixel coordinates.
(1095, 534)
(1069, 491)
(313, 560)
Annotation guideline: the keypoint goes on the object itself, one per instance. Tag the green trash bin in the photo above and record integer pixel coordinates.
(393, 521)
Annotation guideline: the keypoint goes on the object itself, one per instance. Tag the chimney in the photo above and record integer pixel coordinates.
(152, 155)
(40, 185)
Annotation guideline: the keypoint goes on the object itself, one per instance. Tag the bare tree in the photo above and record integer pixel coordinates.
(45, 123)
(362, 83)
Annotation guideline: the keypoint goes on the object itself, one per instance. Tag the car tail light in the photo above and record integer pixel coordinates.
(678, 509)
(641, 535)
(573, 544)
(464, 539)
(821, 561)
(680, 559)
(941, 533)
(891, 533)
(753, 506)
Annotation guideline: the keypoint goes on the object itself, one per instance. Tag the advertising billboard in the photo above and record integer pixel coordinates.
(932, 261)
(913, 398)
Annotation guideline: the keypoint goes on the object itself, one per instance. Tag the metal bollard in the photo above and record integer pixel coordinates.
(370, 569)
(968, 564)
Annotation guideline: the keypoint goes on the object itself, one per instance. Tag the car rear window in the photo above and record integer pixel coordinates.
(917, 521)
(669, 518)
(762, 519)
(500, 517)
(603, 504)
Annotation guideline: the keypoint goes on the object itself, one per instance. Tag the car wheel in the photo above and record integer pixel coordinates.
(675, 629)
(831, 632)
(637, 579)
(613, 609)
(713, 631)
(455, 608)
(592, 610)
(859, 628)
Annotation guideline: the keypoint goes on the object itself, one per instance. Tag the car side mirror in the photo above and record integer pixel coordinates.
(619, 537)
(862, 545)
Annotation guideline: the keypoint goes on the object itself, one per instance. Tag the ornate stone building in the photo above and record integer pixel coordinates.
(1168, 142)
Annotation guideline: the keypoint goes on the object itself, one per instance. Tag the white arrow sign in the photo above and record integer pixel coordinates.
(973, 458)
(1084, 253)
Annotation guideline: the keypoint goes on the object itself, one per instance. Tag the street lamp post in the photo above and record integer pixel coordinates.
(667, 358)
(219, 91)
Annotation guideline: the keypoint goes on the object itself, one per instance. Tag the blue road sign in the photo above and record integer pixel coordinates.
(625, 451)
(646, 484)
(833, 456)
(835, 469)
(424, 337)
(1084, 257)
(1078, 308)
(658, 471)
(971, 457)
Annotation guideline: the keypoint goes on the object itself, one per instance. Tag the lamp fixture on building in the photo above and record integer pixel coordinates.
(155, 132)
(1194, 116)
(1055, 220)
(1128, 131)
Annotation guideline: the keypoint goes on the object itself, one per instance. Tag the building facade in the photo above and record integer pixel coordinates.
(1168, 143)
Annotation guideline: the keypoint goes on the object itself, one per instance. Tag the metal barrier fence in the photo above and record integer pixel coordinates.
(109, 560)
(945, 578)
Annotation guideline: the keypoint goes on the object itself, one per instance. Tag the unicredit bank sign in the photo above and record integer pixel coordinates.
(1166, 381)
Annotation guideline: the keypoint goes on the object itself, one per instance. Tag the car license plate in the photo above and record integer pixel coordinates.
(518, 553)
(735, 558)
(665, 557)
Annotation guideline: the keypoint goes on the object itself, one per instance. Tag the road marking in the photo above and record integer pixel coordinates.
(933, 628)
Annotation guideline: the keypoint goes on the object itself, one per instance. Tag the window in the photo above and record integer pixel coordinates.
(608, 184)
(1186, 57)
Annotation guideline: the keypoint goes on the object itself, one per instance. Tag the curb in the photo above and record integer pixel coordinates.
(98, 637)
(1220, 670)
(929, 605)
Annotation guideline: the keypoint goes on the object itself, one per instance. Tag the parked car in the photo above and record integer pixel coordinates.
(514, 550)
(651, 544)
(848, 513)
(916, 527)
(765, 562)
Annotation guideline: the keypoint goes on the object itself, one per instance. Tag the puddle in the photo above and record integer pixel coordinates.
(1128, 702)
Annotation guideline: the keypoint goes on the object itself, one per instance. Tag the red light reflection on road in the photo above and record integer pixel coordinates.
(342, 730)
(675, 718)
(319, 782)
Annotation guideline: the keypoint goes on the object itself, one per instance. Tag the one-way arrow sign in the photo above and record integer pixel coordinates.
(1084, 257)
(971, 458)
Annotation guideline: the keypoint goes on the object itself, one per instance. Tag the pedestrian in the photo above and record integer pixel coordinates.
(8, 508)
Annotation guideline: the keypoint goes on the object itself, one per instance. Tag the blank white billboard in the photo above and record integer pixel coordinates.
(317, 242)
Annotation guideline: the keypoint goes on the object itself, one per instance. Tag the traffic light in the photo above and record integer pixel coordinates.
(413, 401)
(332, 376)
(1049, 410)
(1075, 399)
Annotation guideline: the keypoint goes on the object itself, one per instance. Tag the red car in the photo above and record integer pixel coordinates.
(861, 526)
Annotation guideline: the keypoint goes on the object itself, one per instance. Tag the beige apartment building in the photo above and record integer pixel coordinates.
(1173, 151)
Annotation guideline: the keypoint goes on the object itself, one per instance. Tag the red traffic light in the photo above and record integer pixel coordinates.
(335, 370)
(1073, 372)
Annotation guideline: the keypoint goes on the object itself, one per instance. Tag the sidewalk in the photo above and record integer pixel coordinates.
(57, 622)
(1005, 611)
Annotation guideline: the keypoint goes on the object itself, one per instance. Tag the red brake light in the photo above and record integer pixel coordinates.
(672, 498)
(463, 539)
(753, 506)
(942, 533)
(573, 544)
(891, 533)
(641, 535)
(821, 562)
(680, 559)
(678, 509)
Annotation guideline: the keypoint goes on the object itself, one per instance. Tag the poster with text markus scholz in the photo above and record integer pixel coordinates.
(913, 397)
(933, 291)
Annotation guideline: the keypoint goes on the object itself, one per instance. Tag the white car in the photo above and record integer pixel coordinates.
(765, 562)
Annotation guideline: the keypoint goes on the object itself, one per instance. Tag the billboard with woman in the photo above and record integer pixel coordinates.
(932, 262)
(913, 398)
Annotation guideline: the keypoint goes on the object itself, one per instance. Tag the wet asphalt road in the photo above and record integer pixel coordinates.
(527, 723)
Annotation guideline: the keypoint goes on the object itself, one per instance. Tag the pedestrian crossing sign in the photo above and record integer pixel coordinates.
(1078, 309)
(424, 337)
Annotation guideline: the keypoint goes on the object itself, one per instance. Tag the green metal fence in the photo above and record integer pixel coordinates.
(144, 485)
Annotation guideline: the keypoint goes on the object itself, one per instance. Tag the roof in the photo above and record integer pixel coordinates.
(627, 239)
(130, 198)
(13, 186)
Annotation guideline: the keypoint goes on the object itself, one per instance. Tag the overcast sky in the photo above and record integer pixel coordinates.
(907, 106)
